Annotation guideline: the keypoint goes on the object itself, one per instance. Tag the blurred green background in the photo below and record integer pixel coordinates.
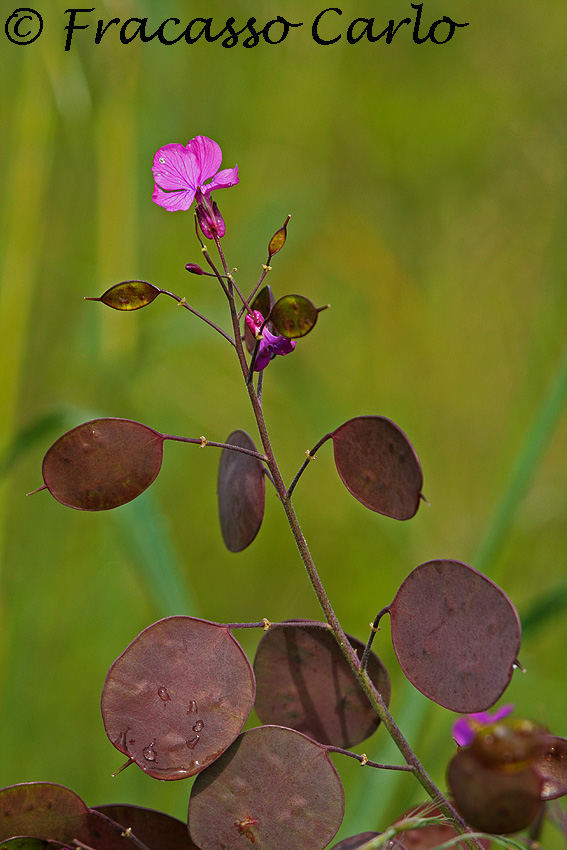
(427, 189)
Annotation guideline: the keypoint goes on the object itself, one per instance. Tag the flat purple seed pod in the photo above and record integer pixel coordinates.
(42, 810)
(273, 788)
(178, 696)
(102, 464)
(493, 801)
(241, 493)
(456, 635)
(156, 830)
(378, 465)
(303, 681)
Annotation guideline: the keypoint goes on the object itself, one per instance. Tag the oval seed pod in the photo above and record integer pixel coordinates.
(456, 635)
(303, 681)
(293, 316)
(178, 696)
(241, 493)
(129, 295)
(378, 465)
(41, 810)
(551, 767)
(493, 801)
(277, 241)
(102, 464)
(154, 829)
(274, 788)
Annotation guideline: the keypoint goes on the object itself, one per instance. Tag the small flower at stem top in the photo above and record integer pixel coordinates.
(270, 344)
(180, 173)
(466, 728)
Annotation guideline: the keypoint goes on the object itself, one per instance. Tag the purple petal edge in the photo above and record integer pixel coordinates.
(466, 727)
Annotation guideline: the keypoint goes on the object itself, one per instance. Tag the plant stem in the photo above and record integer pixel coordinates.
(120, 831)
(374, 628)
(310, 456)
(203, 442)
(374, 697)
(265, 269)
(364, 761)
(183, 303)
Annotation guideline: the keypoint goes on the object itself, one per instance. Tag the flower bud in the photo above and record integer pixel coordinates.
(210, 220)
(194, 268)
(206, 221)
(220, 225)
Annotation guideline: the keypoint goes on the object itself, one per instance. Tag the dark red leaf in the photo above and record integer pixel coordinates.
(456, 635)
(178, 696)
(378, 465)
(102, 464)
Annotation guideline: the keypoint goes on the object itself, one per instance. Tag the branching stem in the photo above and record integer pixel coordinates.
(120, 831)
(374, 628)
(203, 442)
(310, 455)
(353, 661)
(183, 303)
(364, 761)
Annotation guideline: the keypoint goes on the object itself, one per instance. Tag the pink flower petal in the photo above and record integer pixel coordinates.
(466, 728)
(262, 359)
(225, 178)
(503, 711)
(175, 168)
(173, 201)
(207, 156)
(463, 733)
(182, 171)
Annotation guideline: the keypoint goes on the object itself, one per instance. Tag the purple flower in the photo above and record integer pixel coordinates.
(466, 728)
(270, 344)
(180, 173)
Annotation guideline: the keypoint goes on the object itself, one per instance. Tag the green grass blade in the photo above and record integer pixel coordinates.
(537, 439)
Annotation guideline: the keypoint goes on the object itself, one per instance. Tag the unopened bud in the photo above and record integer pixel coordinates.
(206, 221)
(219, 220)
(210, 220)
(194, 268)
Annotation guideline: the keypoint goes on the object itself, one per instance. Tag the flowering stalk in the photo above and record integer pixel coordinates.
(180, 174)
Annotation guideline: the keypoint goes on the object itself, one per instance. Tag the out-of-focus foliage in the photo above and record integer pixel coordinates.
(428, 199)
